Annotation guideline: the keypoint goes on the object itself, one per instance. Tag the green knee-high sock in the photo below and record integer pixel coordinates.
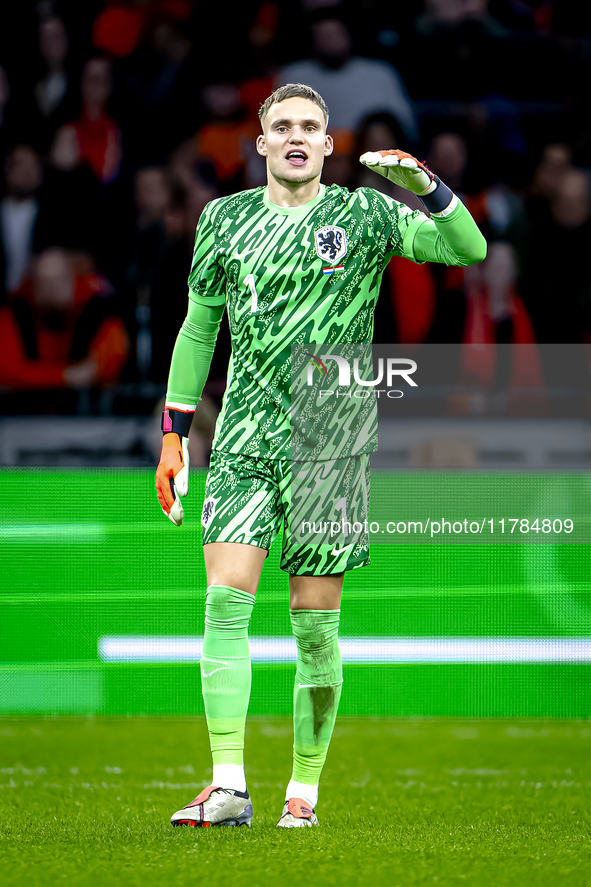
(317, 690)
(225, 670)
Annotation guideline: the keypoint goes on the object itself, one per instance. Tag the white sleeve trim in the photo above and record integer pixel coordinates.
(448, 209)
(184, 407)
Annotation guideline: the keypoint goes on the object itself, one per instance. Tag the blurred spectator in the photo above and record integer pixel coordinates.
(351, 86)
(158, 64)
(151, 193)
(261, 37)
(228, 137)
(169, 289)
(4, 116)
(69, 199)
(168, 206)
(190, 189)
(151, 196)
(449, 156)
(498, 210)
(61, 330)
(449, 14)
(464, 37)
(196, 177)
(18, 214)
(557, 275)
(54, 102)
(493, 309)
(119, 27)
(555, 163)
(340, 167)
(156, 104)
(99, 140)
(199, 192)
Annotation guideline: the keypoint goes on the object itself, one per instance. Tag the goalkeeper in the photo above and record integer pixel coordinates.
(293, 262)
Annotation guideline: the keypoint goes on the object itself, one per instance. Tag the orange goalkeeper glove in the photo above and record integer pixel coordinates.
(172, 474)
(406, 171)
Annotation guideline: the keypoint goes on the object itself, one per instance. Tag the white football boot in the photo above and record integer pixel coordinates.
(297, 814)
(216, 806)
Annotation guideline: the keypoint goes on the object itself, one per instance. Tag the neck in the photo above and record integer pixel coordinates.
(292, 193)
(93, 111)
(19, 198)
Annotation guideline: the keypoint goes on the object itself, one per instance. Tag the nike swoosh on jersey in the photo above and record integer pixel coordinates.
(208, 674)
(336, 550)
(243, 255)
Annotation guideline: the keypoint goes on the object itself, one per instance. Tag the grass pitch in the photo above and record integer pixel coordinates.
(438, 802)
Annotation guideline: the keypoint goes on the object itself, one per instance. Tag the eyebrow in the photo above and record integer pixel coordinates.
(286, 121)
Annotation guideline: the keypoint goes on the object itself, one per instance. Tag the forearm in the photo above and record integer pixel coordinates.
(452, 239)
(192, 353)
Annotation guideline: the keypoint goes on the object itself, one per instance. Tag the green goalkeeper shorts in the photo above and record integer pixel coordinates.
(321, 508)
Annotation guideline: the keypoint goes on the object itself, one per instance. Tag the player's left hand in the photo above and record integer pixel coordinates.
(172, 476)
(402, 169)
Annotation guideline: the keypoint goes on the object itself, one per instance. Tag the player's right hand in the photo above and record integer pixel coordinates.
(172, 476)
(402, 169)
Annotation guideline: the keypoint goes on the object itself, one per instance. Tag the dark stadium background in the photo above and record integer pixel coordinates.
(107, 203)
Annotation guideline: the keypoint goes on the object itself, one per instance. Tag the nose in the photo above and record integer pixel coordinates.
(296, 135)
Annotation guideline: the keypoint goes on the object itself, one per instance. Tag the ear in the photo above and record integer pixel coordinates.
(328, 145)
(261, 146)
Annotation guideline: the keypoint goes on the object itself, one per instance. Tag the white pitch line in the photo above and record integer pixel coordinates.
(128, 649)
(52, 533)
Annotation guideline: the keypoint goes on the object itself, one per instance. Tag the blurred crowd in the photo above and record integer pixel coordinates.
(121, 119)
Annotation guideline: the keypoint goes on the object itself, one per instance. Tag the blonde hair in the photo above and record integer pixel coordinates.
(293, 91)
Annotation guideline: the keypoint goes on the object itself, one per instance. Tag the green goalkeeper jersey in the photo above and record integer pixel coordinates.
(290, 276)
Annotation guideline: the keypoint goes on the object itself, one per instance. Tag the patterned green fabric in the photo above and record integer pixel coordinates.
(329, 420)
(321, 507)
(289, 276)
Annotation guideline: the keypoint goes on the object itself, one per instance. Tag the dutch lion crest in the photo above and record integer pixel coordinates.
(331, 243)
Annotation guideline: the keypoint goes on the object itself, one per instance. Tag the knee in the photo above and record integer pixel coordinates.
(319, 657)
(315, 630)
(225, 603)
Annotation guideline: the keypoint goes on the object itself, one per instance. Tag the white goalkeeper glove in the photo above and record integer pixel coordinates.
(406, 171)
(172, 474)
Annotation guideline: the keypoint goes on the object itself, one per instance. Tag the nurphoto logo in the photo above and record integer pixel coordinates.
(388, 369)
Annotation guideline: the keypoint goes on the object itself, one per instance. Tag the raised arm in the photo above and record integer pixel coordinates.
(451, 235)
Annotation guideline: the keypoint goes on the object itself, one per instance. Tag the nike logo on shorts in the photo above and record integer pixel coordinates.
(336, 550)
(208, 674)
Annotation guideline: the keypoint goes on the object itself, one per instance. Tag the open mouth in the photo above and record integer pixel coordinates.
(296, 157)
